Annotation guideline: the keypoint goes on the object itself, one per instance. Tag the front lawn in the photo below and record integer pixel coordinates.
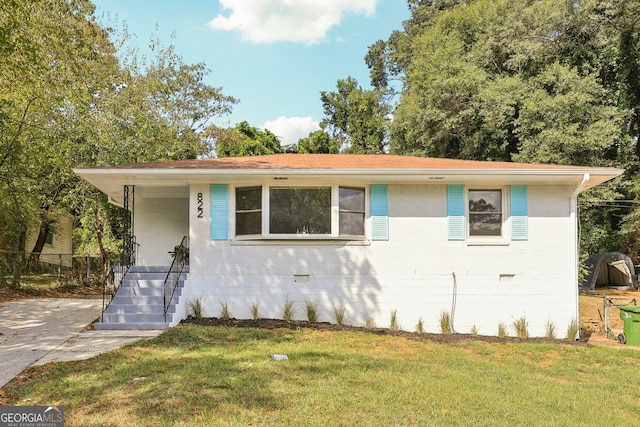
(199, 376)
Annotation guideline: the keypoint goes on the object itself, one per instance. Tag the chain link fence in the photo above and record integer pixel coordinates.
(66, 269)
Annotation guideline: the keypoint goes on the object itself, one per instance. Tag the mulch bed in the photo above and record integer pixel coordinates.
(326, 326)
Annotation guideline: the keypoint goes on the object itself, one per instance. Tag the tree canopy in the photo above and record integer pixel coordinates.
(246, 140)
(67, 99)
(356, 118)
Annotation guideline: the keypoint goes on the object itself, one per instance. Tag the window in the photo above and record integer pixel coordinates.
(351, 218)
(292, 212)
(485, 212)
(488, 216)
(248, 210)
(300, 210)
(49, 238)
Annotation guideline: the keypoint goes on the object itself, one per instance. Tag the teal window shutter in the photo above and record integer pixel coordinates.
(379, 212)
(219, 212)
(519, 212)
(455, 212)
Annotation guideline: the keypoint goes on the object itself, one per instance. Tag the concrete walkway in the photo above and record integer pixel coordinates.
(44, 330)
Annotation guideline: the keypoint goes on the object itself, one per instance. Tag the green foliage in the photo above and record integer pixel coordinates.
(195, 308)
(551, 330)
(319, 142)
(225, 311)
(69, 98)
(339, 313)
(572, 330)
(312, 311)
(486, 82)
(288, 310)
(246, 140)
(565, 119)
(355, 117)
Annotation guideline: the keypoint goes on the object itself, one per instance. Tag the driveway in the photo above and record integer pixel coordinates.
(44, 330)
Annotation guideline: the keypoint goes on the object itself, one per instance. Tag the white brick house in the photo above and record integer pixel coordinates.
(486, 242)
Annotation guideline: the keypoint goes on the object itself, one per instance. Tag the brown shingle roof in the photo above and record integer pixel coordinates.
(338, 162)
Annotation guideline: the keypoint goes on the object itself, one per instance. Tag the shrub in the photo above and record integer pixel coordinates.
(339, 313)
(369, 323)
(255, 310)
(288, 310)
(502, 330)
(521, 326)
(420, 326)
(474, 330)
(572, 330)
(393, 323)
(312, 311)
(551, 330)
(225, 313)
(195, 308)
(445, 322)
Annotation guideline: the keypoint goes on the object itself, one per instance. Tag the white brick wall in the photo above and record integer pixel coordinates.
(412, 273)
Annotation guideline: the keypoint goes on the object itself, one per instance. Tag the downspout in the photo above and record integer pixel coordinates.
(576, 219)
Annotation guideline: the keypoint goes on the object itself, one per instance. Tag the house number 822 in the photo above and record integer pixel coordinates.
(200, 204)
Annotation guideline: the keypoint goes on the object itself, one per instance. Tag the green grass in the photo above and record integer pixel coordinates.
(206, 376)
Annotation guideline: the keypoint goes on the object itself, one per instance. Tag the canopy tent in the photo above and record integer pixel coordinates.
(609, 269)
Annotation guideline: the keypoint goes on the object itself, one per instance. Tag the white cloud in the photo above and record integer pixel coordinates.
(301, 21)
(290, 129)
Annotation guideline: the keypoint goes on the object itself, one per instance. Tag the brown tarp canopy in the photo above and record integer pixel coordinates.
(609, 269)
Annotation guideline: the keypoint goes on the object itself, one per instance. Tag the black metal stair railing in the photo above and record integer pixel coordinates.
(172, 281)
(112, 283)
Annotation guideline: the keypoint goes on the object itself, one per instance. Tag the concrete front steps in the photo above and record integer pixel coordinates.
(139, 302)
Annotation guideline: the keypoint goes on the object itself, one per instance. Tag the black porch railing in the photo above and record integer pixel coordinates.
(128, 258)
(180, 260)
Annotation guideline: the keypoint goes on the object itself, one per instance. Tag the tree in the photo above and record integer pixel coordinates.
(52, 55)
(489, 81)
(355, 117)
(66, 100)
(319, 142)
(246, 140)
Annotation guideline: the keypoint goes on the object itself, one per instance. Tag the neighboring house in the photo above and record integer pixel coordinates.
(58, 248)
(486, 242)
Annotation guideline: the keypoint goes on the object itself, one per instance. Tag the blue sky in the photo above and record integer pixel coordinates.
(275, 56)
